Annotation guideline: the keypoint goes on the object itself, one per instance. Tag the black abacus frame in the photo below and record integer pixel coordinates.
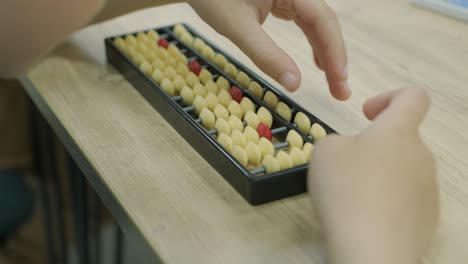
(255, 189)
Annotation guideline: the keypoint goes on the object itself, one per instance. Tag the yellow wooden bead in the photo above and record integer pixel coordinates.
(150, 56)
(256, 89)
(199, 44)
(208, 118)
(211, 87)
(182, 69)
(173, 50)
(211, 101)
(251, 134)
(265, 116)
(221, 112)
(266, 147)
(254, 154)
(141, 47)
(297, 156)
(270, 164)
(235, 109)
(243, 79)
(302, 122)
(168, 87)
(138, 58)
(200, 90)
(317, 132)
(224, 98)
(235, 123)
(179, 30)
(181, 58)
(220, 60)
(170, 73)
(251, 119)
(119, 43)
(222, 83)
(307, 149)
(161, 52)
(179, 83)
(153, 35)
(130, 51)
(131, 40)
(142, 38)
(205, 76)
(208, 53)
(187, 95)
(294, 139)
(157, 76)
(270, 99)
(230, 70)
(222, 126)
(247, 105)
(159, 64)
(170, 61)
(225, 141)
(240, 155)
(284, 160)
(199, 103)
(284, 111)
(238, 138)
(191, 79)
(187, 39)
(146, 68)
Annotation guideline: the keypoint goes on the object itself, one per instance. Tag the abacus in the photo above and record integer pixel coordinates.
(257, 138)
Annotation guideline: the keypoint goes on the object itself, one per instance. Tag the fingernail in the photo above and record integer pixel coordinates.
(288, 80)
(345, 87)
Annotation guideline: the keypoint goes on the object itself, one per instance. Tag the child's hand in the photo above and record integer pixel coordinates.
(241, 20)
(376, 193)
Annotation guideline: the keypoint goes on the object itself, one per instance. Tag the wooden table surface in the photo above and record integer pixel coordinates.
(170, 201)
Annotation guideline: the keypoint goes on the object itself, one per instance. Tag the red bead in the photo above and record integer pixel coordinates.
(236, 94)
(264, 131)
(194, 67)
(162, 42)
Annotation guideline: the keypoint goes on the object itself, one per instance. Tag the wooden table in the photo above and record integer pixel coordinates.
(170, 202)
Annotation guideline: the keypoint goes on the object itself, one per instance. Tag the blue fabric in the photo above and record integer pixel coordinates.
(15, 202)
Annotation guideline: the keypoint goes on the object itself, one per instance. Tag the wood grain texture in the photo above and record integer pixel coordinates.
(175, 204)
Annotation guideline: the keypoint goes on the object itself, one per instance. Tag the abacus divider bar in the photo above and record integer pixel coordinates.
(281, 145)
(177, 98)
(278, 130)
(258, 170)
(188, 108)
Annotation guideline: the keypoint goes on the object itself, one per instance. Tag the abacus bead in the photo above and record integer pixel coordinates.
(170, 61)
(170, 73)
(221, 112)
(130, 40)
(179, 83)
(294, 139)
(191, 79)
(187, 39)
(225, 141)
(130, 51)
(251, 134)
(302, 122)
(200, 90)
(235, 123)
(240, 155)
(146, 68)
(150, 56)
(168, 86)
(220, 60)
(119, 43)
(317, 132)
(254, 154)
(138, 58)
(211, 101)
(153, 35)
(222, 83)
(265, 116)
(173, 50)
(205, 76)
(208, 53)
(297, 156)
(208, 118)
(230, 70)
(270, 99)
(157, 76)
(251, 119)
(211, 87)
(235, 109)
(182, 69)
(270, 164)
(142, 38)
(307, 149)
(266, 146)
(199, 44)
(222, 126)
(224, 98)
(256, 89)
(199, 103)
(187, 95)
(180, 58)
(284, 111)
(179, 30)
(284, 160)
(247, 105)
(157, 63)
(243, 79)
(238, 138)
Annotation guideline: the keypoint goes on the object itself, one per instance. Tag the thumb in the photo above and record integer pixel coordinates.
(402, 109)
(249, 36)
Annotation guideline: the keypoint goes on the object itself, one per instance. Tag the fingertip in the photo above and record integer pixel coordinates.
(341, 91)
(290, 81)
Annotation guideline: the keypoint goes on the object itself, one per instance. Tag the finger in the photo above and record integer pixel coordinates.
(402, 109)
(317, 61)
(249, 36)
(320, 24)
